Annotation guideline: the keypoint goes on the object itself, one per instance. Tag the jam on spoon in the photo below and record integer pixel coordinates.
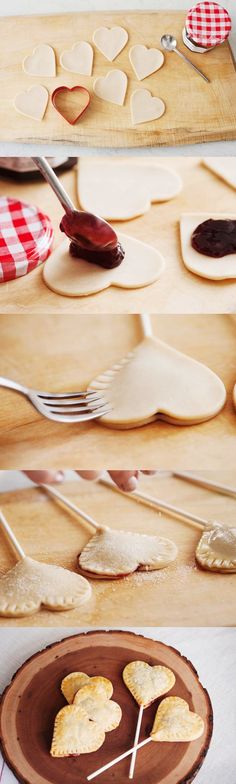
(215, 238)
(92, 238)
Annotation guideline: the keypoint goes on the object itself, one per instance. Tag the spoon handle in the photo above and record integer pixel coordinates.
(50, 176)
(189, 62)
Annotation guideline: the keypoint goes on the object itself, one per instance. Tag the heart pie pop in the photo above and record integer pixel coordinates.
(176, 723)
(75, 681)
(26, 237)
(30, 585)
(75, 734)
(98, 707)
(216, 550)
(112, 554)
(147, 683)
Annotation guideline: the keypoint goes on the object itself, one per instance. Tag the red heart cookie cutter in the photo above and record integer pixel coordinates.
(59, 91)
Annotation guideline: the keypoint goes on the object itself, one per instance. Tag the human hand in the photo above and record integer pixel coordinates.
(125, 480)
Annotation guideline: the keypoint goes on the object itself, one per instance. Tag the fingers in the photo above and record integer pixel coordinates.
(125, 480)
(45, 476)
(90, 475)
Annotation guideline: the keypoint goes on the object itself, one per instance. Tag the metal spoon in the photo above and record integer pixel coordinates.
(169, 43)
(92, 230)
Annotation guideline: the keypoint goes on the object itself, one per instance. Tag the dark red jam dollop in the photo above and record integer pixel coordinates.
(92, 239)
(215, 238)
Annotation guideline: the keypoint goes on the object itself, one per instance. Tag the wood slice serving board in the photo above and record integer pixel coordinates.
(29, 706)
(195, 111)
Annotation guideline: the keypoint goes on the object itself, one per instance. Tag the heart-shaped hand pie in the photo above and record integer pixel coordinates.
(30, 585)
(110, 554)
(145, 107)
(110, 41)
(216, 550)
(120, 190)
(147, 683)
(174, 722)
(74, 733)
(72, 277)
(97, 707)
(79, 59)
(71, 102)
(75, 681)
(41, 62)
(164, 383)
(33, 102)
(112, 87)
(211, 267)
(145, 61)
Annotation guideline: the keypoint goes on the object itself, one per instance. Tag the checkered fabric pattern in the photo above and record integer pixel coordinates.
(26, 236)
(208, 24)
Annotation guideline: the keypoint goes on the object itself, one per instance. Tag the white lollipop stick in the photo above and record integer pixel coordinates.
(11, 536)
(118, 759)
(73, 507)
(136, 739)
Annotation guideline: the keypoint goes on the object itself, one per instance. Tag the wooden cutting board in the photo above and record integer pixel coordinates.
(32, 700)
(62, 352)
(180, 595)
(177, 291)
(195, 111)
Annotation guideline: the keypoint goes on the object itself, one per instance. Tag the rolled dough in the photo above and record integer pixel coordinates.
(157, 382)
(71, 277)
(120, 190)
(205, 266)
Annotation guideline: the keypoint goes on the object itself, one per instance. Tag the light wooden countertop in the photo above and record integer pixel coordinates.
(58, 353)
(177, 291)
(181, 595)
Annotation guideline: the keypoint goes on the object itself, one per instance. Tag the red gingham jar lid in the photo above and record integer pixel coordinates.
(208, 24)
(26, 236)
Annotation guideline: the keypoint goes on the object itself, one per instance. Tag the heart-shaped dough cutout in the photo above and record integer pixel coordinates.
(112, 87)
(72, 277)
(205, 266)
(79, 59)
(224, 168)
(33, 102)
(41, 62)
(175, 723)
(110, 41)
(145, 61)
(105, 712)
(113, 554)
(157, 382)
(121, 190)
(147, 683)
(75, 681)
(71, 102)
(216, 550)
(145, 107)
(74, 733)
(31, 585)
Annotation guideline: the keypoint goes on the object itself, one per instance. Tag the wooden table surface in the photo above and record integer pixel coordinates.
(181, 595)
(177, 291)
(58, 353)
(195, 111)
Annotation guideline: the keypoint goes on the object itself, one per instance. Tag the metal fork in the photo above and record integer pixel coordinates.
(62, 407)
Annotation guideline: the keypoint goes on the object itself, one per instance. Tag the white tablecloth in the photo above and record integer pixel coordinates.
(213, 653)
